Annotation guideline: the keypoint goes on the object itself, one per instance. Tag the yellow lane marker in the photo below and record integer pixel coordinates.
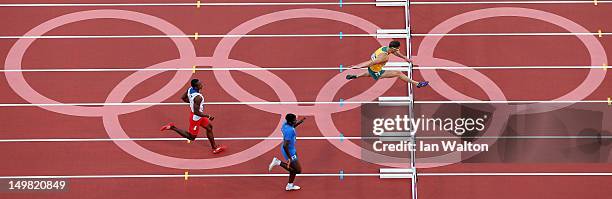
(609, 101)
(199, 3)
(605, 66)
(595, 2)
(186, 175)
(194, 69)
(196, 36)
(188, 141)
(599, 33)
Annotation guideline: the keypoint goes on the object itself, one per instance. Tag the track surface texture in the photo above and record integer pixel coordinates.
(235, 121)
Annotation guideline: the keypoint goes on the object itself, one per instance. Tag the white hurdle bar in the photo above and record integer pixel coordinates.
(398, 64)
(390, 2)
(395, 173)
(393, 101)
(391, 33)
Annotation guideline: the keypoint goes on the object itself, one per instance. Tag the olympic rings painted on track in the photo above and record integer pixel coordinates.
(425, 57)
(594, 47)
(110, 114)
(220, 58)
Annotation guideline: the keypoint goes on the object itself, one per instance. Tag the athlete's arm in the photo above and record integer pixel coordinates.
(286, 147)
(185, 98)
(379, 60)
(397, 53)
(299, 122)
(196, 108)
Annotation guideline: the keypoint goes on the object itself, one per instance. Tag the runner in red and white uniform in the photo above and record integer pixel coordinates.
(197, 118)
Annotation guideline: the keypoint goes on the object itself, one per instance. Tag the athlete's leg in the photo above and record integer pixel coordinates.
(183, 133)
(210, 136)
(366, 74)
(402, 76)
(294, 168)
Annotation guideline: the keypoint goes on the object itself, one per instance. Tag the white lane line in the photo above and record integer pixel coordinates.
(523, 137)
(511, 102)
(299, 35)
(502, 2)
(206, 103)
(303, 175)
(503, 67)
(186, 69)
(179, 36)
(299, 138)
(194, 4)
(172, 139)
(190, 175)
(302, 103)
(190, 68)
(515, 174)
(509, 34)
(201, 4)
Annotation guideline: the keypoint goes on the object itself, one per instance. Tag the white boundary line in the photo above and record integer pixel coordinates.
(511, 102)
(185, 69)
(206, 103)
(516, 174)
(168, 139)
(302, 175)
(298, 103)
(182, 36)
(504, 67)
(192, 176)
(510, 34)
(194, 4)
(279, 138)
(503, 2)
(299, 35)
(297, 68)
(187, 4)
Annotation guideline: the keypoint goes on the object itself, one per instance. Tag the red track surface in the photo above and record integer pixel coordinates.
(105, 158)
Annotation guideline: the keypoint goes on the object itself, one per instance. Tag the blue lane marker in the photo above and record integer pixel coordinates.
(340, 35)
(341, 67)
(341, 137)
(341, 3)
(341, 102)
(341, 175)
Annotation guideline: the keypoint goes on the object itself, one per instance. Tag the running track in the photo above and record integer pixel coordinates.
(318, 156)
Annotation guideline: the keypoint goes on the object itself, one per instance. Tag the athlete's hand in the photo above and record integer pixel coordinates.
(211, 118)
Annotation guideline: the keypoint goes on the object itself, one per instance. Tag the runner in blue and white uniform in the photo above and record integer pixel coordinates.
(289, 151)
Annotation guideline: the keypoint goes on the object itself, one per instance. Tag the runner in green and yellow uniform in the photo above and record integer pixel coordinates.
(378, 60)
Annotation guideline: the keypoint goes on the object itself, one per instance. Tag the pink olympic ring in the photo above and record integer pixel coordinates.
(18, 83)
(111, 114)
(594, 47)
(220, 58)
(114, 129)
(328, 91)
(223, 50)
(425, 57)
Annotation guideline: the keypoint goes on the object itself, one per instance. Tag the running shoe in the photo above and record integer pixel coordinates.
(422, 84)
(275, 162)
(167, 126)
(292, 187)
(219, 149)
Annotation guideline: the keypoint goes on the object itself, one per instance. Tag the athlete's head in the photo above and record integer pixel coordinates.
(394, 46)
(291, 118)
(195, 83)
